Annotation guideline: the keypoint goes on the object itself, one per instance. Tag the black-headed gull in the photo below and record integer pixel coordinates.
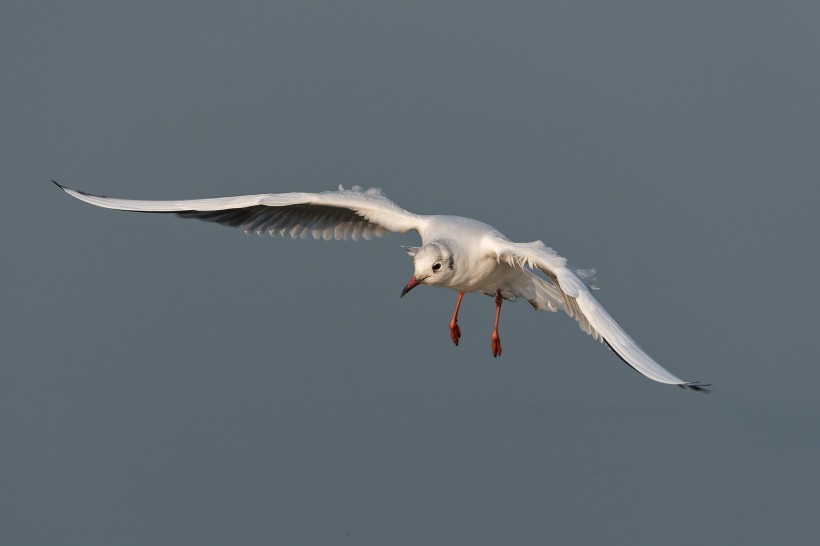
(459, 253)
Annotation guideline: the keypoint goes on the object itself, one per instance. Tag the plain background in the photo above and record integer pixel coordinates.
(166, 381)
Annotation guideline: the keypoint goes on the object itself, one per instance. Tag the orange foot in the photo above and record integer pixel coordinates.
(455, 332)
(496, 344)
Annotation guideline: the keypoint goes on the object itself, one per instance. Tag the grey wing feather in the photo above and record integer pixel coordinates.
(320, 221)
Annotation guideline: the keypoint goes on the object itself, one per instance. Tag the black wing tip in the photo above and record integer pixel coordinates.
(70, 191)
(67, 190)
(697, 386)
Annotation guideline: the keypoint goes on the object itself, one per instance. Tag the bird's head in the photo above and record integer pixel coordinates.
(433, 264)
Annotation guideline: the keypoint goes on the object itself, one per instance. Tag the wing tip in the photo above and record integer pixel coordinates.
(73, 193)
(697, 386)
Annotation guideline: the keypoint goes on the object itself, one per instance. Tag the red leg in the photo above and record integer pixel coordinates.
(496, 339)
(455, 331)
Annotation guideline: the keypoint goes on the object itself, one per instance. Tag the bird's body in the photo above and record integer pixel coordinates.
(460, 253)
(479, 272)
(478, 268)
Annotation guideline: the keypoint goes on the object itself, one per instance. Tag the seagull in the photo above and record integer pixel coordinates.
(460, 253)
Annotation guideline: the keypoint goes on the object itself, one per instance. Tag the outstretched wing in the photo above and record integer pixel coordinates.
(338, 214)
(579, 304)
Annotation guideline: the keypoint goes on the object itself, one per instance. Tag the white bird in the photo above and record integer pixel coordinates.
(456, 252)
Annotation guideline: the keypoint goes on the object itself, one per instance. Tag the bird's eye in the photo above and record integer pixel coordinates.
(436, 266)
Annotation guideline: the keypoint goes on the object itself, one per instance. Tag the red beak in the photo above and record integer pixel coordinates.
(414, 282)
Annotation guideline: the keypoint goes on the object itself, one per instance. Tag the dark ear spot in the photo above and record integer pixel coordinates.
(450, 263)
(411, 250)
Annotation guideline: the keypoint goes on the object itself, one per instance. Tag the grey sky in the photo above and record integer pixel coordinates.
(169, 382)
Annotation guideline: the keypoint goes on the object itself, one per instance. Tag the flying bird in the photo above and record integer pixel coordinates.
(456, 252)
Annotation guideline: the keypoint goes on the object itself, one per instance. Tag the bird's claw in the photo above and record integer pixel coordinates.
(496, 345)
(455, 332)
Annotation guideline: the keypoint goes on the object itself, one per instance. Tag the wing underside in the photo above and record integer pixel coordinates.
(298, 221)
